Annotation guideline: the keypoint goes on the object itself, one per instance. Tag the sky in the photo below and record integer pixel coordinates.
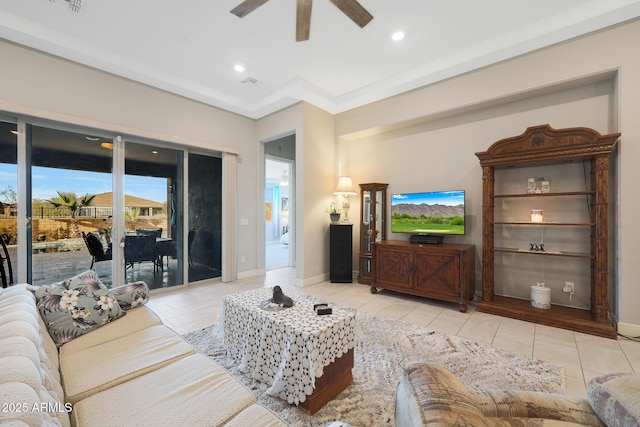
(47, 181)
(447, 198)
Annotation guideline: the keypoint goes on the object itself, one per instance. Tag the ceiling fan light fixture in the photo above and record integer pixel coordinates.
(352, 8)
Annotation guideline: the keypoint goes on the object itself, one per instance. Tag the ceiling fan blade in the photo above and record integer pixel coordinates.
(303, 20)
(246, 7)
(355, 11)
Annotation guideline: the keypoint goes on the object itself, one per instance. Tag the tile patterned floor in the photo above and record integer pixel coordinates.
(583, 356)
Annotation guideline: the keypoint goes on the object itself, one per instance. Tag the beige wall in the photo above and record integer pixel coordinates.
(46, 87)
(314, 183)
(426, 139)
(593, 81)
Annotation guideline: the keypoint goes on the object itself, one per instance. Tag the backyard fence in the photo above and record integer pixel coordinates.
(50, 212)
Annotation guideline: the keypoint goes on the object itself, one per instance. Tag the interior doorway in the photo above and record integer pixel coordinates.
(278, 207)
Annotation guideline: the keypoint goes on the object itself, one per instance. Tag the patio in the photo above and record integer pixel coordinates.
(50, 265)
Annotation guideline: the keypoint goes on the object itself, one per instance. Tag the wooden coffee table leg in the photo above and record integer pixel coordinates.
(335, 378)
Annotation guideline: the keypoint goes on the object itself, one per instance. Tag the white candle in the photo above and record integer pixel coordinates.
(536, 215)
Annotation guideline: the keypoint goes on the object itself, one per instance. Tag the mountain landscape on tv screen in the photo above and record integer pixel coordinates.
(435, 210)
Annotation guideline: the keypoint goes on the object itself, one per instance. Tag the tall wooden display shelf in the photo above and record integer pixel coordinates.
(541, 146)
(373, 225)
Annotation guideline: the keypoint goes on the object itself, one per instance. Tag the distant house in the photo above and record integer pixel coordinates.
(104, 201)
(8, 209)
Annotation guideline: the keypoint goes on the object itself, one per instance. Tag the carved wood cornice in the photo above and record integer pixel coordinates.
(543, 144)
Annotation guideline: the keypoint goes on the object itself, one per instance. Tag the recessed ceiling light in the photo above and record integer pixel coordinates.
(154, 152)
(15, 132)
(92, 138)
(239, 68)
(397, 36)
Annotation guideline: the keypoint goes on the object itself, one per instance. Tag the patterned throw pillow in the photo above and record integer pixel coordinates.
(615, 398)
(88, 279)
(75, 306)
(131, 295)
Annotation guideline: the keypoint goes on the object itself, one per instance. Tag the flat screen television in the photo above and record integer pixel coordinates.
(428, 213)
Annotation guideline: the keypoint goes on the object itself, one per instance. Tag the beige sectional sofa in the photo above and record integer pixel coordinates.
(132, 371)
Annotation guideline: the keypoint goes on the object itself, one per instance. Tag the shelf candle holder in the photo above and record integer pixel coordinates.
(536, 215)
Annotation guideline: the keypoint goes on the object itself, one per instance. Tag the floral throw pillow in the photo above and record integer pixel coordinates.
(87, 279)
(131, 295)
(72, 312)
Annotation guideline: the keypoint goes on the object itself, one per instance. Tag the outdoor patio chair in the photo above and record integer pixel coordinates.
(6, 281)
(96, 249)
(139, 249)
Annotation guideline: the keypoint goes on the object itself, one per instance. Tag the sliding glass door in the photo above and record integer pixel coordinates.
(152, 206)
(204, 200)
(74, 199)
(71, 204)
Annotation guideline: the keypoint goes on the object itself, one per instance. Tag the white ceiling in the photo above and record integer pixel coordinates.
(190, 47)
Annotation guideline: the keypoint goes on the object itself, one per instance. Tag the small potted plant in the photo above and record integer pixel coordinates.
(334, 213)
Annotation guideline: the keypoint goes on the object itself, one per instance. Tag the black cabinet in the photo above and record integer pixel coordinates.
(340, 253)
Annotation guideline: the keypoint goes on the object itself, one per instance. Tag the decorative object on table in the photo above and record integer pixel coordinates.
(536, 215)
(345, 189)
(334, 214)
(267, 305)
(540, 296)
(280, 298)
(322, 309)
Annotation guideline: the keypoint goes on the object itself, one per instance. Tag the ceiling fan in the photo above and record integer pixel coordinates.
(351, 8)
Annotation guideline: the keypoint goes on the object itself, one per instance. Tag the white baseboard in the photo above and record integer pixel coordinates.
(312, 280)
(249, 273)
(628, 329)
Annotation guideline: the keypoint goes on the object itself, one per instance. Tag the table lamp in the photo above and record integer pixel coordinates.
(345, 189)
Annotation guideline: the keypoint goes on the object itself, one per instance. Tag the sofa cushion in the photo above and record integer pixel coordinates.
(74, 311)
(428, 394)
(193, 391)
(616, 398)
(136, 320)
(131, 295)
(88, 371)
(258, 415)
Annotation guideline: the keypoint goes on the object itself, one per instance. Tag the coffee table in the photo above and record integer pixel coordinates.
(306, 359)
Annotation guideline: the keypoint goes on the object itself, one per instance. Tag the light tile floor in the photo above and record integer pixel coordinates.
(582, 356)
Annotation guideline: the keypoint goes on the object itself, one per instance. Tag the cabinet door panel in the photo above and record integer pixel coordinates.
(438, 273)
(394, 268)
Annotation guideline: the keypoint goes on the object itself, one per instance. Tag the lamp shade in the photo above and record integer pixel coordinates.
(345, 186)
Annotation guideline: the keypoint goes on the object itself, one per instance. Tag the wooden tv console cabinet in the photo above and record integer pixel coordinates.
(444, 272)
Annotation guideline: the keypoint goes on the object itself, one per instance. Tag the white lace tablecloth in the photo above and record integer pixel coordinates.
(288, 348)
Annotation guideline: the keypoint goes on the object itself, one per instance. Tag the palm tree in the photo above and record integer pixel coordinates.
(131, 216)
(69, 200)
